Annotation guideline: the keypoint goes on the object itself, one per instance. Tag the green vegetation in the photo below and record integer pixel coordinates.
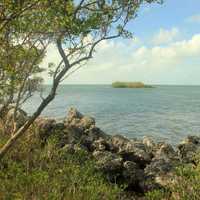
(185, 187)
(130, 85)
(74, 28)
(33, 171)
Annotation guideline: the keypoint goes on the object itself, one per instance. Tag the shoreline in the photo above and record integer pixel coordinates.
(142, 165)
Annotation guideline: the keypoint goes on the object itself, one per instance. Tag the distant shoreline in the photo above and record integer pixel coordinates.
(108, 84)
(119, 84)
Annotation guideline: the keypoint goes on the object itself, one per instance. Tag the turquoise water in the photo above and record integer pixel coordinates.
(165, 112)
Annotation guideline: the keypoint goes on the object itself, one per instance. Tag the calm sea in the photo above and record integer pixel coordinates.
(165, 112)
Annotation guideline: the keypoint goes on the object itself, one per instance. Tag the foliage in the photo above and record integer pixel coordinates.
(36, 172)
(74, 27)
(186, 185)
(130, 85)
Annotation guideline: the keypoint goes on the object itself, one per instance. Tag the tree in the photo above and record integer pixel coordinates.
(76, 28)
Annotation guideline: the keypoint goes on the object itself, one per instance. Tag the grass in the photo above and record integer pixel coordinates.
(130, 85)
(185, 187)
(31, 171)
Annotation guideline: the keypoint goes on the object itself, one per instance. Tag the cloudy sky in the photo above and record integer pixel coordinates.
(165, 49)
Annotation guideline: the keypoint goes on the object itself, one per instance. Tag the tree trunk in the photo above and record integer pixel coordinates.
(25, 127)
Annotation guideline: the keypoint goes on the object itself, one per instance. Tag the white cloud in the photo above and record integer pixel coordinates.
(193, 19)
(165, 36)
(125, 61)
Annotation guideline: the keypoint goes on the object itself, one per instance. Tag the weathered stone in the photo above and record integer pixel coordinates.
(148, 142)
(107, 161)
(188, 148)
(119, 142)
(73, 113)
(166, 151)
(158, 174)
(45, 127)
(135, 151)
(158, 166)
(87, 122)
(132, 173)
(100, 145)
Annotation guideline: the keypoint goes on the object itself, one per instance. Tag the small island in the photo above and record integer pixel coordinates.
(119, 84)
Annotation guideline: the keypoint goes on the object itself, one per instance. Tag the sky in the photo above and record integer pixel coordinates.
(165, 49)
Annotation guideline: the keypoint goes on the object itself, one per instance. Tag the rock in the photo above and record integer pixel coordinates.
(158, 166)
(131, 150)
(148, 142)
(119, 142)
(107, 161)
(166, 151)
(73, 114)
(160, 172)
(76, 119)
(87, 122)
(100, 145)
(188, 148)
(132, 173)
(135, 151)
(45, 127)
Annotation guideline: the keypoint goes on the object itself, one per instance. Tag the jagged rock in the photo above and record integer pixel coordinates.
(135, 151)
(46, 127)
(142, 165)
(76, 119)
(188, 148)
(107, 161)
(148, 142)
(158, 166)
(166, 151)
(100, 145)
(132, 173)
(73, 114)
(87, 122)
(159, 173)
(119, 142)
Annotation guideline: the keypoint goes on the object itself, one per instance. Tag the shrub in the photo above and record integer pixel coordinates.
(186, 185)
(36, 172)
(130, 85)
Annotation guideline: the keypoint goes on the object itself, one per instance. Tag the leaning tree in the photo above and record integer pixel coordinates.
(75, 27)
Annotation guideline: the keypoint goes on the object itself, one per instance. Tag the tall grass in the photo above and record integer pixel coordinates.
(32, 171)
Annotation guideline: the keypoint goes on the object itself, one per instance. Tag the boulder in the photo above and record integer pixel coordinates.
(87, 122)
(119, 142)
(132, 174)
(73, 113)
(76, 119)
(45, 126)
(107, 161)
(100, 145)
(166, 151)
(188, 148)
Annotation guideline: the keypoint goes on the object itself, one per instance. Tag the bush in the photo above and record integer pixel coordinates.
(35, 172)
(186, 185)
(130, 85)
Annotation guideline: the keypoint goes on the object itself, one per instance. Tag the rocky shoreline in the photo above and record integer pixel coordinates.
(141, 165)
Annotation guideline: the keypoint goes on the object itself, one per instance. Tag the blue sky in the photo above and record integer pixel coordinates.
(165, 49)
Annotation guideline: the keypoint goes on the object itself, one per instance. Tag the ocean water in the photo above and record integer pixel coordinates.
(166, 113)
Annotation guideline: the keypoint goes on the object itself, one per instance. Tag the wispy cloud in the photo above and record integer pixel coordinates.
(194, 19)
(116, 60)
(165, 36)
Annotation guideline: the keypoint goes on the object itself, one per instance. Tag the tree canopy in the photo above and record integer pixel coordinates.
(75, 27)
